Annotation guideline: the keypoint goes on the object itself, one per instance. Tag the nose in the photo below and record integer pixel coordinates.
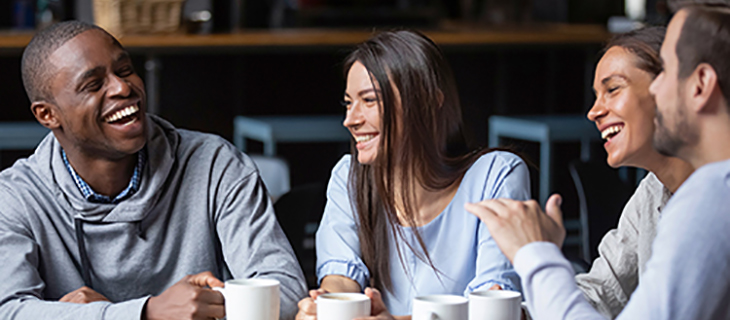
(598, 111)
(655, 84)
(118, 87)
(353, 116)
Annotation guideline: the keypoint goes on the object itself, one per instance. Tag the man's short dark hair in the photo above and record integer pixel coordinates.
(705, 38)
(35, 71)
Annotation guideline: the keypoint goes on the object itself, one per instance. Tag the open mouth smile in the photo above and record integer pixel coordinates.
(123, 116)
(610, 132)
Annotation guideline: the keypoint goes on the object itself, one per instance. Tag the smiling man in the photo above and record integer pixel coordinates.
(687, 276)
(119, 215)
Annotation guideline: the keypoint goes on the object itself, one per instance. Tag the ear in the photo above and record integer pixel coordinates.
(703, 85)
(46, 113)
(440, 97)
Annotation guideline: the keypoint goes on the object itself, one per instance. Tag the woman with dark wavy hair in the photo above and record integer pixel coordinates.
(395, 217)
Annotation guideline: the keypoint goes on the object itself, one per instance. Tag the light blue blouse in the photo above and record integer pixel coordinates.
(459, 245)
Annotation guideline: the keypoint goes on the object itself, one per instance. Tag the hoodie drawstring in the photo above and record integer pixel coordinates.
(85, 266)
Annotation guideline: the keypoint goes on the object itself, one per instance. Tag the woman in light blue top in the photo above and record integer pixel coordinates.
(395, 217)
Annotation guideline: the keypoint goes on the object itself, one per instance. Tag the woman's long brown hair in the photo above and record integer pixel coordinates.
(430, 147)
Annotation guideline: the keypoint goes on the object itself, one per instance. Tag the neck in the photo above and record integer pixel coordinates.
(104, 176)
(712, 144)
(670, 171)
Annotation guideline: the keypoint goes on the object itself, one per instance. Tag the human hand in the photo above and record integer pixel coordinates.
(514, 224)
(378, 311)
(188, 299)
(83, 295)
(307, 307)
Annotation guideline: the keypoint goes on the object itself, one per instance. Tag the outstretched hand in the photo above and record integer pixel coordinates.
(514, 224)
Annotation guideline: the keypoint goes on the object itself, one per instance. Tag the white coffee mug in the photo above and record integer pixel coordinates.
(342, 306)
(495, 305)
(440, 307)
(251, 299)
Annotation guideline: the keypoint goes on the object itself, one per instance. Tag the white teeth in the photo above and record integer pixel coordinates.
(364, 138)
(122, 113)
(610, 131)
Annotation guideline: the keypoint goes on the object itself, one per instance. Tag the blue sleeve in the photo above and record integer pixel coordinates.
(508, 177)
(337, 242)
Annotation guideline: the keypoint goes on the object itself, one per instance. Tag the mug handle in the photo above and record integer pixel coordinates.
(222, 290)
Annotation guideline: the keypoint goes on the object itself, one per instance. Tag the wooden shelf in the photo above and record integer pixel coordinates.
(551, 34)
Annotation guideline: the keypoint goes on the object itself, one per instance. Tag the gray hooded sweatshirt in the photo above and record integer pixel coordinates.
(201, 206)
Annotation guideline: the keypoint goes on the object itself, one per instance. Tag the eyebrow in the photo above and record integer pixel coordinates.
(124, 56)
(609, 78)
(88, 74)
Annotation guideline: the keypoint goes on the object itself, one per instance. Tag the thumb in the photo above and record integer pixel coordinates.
(377, 306)
(552, 208)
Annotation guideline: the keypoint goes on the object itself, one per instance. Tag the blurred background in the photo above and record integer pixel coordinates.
(206, 62)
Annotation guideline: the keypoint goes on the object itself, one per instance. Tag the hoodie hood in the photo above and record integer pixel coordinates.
(162, 144)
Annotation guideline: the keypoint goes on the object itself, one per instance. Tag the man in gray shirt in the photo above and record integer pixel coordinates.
(116, 209)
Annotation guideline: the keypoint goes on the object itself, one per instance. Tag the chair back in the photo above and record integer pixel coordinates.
(601, 195)
(299, 212)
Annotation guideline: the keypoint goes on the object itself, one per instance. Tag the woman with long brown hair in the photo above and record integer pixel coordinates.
(395, 217)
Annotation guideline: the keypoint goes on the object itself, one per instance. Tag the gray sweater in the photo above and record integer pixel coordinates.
(624, 251)
(201, 206)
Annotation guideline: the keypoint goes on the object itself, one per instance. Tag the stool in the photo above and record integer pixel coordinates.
(273, 129)
(545, 130)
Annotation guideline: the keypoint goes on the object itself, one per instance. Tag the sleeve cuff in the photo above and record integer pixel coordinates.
(346, 269)
(131, 309)
(536, 254)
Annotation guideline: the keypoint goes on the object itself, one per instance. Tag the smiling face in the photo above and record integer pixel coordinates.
(624, 109)
(363, 117)
(98, 107)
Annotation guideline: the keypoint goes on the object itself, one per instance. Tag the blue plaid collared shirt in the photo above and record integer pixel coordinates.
(92, 196)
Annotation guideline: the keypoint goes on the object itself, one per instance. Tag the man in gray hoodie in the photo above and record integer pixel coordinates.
(119, 215)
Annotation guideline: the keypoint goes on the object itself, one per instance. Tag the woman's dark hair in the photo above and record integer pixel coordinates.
(645, 44)
(430, 148)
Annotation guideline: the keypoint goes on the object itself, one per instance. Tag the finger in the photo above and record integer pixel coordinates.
(495, 287)
(303, 316)
(377, 306)
(212, 311)
(504, 207)
(316, 293)
(307, 306)
(552, 208)
(210, 296)
(205, 279)
(482, 212)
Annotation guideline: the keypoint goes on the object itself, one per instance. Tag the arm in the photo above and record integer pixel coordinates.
(21, 287)
(253, 243)
(510, 180)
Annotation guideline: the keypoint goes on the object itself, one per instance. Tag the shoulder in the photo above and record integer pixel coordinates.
(342, 168)
(648, 196)
(494, 163)
(498, 174)
(708, 186)
(213, 155)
